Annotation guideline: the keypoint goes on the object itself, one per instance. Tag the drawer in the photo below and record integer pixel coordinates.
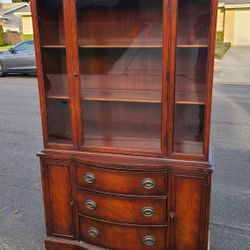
(134, 210)
(122, 237)
(122, 182)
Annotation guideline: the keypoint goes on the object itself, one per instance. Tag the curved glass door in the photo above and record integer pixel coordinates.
(120, 56)
(193, 21)
(52, 39)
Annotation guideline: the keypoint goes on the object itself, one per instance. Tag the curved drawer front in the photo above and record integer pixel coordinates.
(122, 182)
(119, 237)
(134, 210)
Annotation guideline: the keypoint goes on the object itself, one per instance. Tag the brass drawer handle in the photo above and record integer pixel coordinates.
(149, 241)
(89, 178)
(148, 211)
(89, 204)
(93, 232)
(148, 183)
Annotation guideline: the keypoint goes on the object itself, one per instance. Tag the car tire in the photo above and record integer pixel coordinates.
(2, 70)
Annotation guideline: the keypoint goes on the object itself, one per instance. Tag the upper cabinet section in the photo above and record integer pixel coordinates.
(126, 76)
(120, 58)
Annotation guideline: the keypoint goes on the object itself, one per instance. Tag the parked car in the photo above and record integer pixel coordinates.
(18, 59)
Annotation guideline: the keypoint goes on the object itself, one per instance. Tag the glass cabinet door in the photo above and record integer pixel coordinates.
(53, 50)
(193, 19)
(120, 58)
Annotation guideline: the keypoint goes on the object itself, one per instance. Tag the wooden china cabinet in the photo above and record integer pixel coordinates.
(125, 92)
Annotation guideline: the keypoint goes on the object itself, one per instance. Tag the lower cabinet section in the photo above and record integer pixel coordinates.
(58, 198)
(189, 211)
(79, 217)
(122, 237)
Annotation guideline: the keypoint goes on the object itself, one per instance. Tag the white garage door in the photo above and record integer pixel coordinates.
(242, 27)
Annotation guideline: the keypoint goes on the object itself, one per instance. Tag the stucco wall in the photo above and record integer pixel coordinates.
(229, 25)
(220, 19)
(27, 25)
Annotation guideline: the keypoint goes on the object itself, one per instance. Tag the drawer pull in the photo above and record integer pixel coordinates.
(89, 178)
(148, 183)
(89, 204)
(148, 241)
(148, 211)
(93, 232)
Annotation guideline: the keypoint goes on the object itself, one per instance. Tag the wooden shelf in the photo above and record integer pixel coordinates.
(119, 45)
(190, 98)
(111, 95)
(147, 144)
(192, 46)
(121, 95)
(188, 147)
(61, 93)
(57, 96)
(53, 46)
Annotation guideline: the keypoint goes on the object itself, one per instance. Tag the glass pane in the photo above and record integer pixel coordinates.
(190, 78)
(193, 22)
(191, 71)
(188, 133)
(50, 17)
(119, 22)
(120, 51)
(57, 95)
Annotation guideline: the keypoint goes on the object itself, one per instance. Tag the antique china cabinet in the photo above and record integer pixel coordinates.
(125, 92)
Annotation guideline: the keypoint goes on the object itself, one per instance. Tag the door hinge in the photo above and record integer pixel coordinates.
(172, 215)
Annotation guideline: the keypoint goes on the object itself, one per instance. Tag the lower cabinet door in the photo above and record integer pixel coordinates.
(189, 211)
(57, 198)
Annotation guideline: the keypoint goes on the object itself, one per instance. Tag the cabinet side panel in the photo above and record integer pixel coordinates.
(58, 181)
(189, 194)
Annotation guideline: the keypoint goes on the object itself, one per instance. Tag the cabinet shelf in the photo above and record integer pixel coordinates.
(190, 98)
(121, 95)
(147, 144)
(189, 147)
(53, 46)
(192, 46)
(120, 45)
(149, 96)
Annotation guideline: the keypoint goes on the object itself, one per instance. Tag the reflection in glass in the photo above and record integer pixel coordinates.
(189, 125)
(120, 51)
(191, 71)
(193, 22)
(57, 95)
(59, 125)
(190, 79)
(50, 17)
(120, 23)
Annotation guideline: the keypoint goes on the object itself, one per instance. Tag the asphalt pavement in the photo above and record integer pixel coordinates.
(21, 211)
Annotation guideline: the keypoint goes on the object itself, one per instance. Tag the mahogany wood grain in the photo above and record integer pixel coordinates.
(122, 182)
(73, 72)
(210, 75)
(122, 237)
(188, 207)
(58, 197)
(122, 209)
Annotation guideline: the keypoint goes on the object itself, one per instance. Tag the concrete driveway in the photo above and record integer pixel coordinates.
(235, 67)
(230, 218)
(21, 210)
